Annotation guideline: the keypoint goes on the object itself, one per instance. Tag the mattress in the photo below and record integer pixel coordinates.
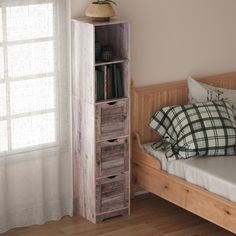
(216, 174)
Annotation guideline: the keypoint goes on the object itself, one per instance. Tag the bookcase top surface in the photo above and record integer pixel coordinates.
(112, 21)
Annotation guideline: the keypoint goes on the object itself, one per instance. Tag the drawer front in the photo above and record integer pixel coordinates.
(111, 120)
(107, 215)
(112, 157)
(112, 193)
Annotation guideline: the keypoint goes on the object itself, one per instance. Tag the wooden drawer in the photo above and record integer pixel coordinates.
(112, 193)
(112, 157)
(107, 215)
(111, 120)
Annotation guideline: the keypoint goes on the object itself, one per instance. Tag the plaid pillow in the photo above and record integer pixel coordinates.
(201, 129)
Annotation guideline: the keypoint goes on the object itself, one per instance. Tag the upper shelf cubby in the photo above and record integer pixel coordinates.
(115, 36)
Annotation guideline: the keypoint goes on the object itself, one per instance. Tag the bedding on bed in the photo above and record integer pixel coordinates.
(201, 92)
(216, 174)
(201, 129)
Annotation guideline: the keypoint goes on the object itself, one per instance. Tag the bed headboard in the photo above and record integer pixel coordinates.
(147, 100)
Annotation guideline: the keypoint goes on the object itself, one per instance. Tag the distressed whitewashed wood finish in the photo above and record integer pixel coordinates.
(112, 119)
(112, 157)
(126, 76)
(112, 21)
(83, 119)
(83, 55)
(146, 171)
(112, 193)
(113, 61)
(101, 130)
(115, 36)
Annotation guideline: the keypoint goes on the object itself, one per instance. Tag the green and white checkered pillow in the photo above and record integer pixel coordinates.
(201, 129)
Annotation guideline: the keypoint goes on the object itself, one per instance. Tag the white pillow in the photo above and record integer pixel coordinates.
(200, 92)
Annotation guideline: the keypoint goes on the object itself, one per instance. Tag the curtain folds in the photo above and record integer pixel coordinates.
(36, 182)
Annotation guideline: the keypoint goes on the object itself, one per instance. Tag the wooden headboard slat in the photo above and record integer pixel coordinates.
(149, 99)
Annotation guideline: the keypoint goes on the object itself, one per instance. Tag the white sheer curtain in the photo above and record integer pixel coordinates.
(35, 141)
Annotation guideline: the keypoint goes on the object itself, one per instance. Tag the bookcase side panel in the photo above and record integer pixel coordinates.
(83, 61)
(86, 162)
(84, 119)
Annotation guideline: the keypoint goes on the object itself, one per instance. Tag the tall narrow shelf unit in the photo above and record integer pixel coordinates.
(101, 125)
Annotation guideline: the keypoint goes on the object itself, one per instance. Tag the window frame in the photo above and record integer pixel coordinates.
(7, 80)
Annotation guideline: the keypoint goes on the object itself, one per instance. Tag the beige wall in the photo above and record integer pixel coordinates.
(78, 7)
(172, 39)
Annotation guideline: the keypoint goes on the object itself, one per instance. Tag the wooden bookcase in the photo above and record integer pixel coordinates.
(101, 128)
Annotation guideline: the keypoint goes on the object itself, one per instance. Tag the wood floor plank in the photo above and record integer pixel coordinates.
(150, 216)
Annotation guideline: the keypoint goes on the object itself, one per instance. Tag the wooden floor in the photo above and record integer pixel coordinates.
(151, 216)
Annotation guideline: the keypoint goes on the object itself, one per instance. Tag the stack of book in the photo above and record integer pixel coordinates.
(109, 82)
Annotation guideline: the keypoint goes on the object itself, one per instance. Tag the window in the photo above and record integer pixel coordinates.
(28, 107)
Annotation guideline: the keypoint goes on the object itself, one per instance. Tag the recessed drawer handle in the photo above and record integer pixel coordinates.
(111, 103)
(112, 177)
(112, 140)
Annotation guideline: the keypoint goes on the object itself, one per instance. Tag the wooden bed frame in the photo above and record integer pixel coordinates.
(146, 170)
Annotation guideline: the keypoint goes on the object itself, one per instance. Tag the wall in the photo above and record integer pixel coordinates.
(78, 7)
(172, 39)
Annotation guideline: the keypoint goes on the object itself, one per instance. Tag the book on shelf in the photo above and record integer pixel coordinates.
(109, 82)
(100, 84)
(114, 74)
(117, 81)
(105, 82)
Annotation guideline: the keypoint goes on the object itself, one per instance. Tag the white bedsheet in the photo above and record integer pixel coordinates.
(216, 174)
